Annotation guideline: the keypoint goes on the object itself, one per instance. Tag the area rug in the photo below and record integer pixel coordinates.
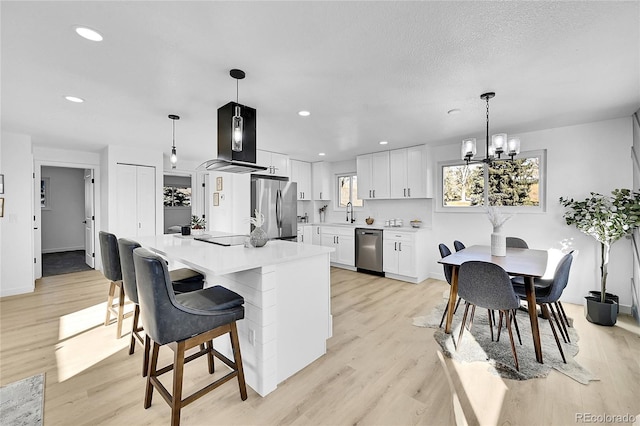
(64, 262)
(21, 402)
(477, 346)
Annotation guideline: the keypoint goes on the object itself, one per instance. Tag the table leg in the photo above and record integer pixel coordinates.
(533, 316)
(453, 295)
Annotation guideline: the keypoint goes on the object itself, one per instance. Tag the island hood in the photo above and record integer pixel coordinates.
(230, 160)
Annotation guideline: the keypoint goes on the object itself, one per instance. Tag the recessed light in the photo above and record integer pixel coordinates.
(74, 99)
(453, 111)
(321, 154)
(383, 142)
(88, 33)
(304, 113)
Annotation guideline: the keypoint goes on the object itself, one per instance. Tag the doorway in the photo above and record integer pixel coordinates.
(64, 220)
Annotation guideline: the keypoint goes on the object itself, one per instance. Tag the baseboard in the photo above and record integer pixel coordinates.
(14, 291)
(59, 250)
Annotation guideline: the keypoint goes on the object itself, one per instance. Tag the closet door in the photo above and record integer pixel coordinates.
(146, 200)
(126, 202)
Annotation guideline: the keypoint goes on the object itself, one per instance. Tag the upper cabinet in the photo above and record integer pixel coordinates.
(321, 180)
(410, 173)
(373, 175)
(301, 174)
(277, 164)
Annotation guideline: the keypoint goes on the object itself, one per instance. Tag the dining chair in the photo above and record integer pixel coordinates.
(515, 242)
(181, 322)
(458, 245)
(448, 270)
(487, 285)
(546, 296)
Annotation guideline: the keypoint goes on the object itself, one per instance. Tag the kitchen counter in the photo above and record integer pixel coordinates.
(286, 288)
(365, 226)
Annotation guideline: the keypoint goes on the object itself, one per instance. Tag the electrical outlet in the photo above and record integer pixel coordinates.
(252, 337)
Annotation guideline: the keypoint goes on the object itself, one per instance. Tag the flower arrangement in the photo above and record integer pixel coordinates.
(257, 220)
(605, 218)
(496, 217)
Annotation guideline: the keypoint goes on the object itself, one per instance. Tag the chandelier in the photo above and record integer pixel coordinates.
(496, 146)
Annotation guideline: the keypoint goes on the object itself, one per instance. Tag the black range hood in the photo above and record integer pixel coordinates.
(228, 160)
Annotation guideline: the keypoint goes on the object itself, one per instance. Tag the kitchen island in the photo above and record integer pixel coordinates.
(286, 287)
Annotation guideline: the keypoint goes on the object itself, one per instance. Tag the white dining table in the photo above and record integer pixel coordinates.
(528, 263)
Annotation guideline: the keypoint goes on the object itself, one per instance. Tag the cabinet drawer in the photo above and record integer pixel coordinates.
(338, 230)
(406, 237)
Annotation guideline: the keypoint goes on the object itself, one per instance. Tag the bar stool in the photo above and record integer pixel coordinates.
(113, 272)
(181, 322)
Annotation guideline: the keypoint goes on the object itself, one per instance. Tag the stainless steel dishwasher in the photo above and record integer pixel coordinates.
(369, 250)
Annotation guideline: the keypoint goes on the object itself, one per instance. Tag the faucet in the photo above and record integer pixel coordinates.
(352, 218)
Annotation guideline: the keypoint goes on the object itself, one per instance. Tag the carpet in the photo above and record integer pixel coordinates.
(21, 402)
(477, 346)
(64, 262)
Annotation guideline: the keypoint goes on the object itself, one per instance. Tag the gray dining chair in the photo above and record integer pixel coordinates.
(515, 242)
(458, 245)
(549, 294)
(448, 270)
(487, 285)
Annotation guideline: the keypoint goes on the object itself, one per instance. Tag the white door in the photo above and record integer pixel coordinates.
(37, 220)
(146, 200)
(390, 256)
(126, 205)
(89, 219)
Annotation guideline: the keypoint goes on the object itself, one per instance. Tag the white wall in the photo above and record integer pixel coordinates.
(62, 224)
(580, 159)
(232, 214)
(16, 227)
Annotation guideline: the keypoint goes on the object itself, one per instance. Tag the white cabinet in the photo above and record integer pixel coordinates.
(321, 180)
(403, 255)
(277, 164)
(301, 174)
(342, 239)
(373, 175)
(409, 173)
(316, 237)
(305, 234)
(135, 201)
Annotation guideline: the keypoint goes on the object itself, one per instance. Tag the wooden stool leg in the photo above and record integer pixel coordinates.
(515, 322)
(178, 370)
(444, 314)
(134, 329)
(209, 346)
(120, 311)
(557, 320)
(112, 290)
(148, 394)
(147, 349)
(235, 344)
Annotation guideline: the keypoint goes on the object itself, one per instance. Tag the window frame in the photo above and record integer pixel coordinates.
(542, 187)
(336, 189)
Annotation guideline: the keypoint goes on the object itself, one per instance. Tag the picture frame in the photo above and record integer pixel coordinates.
(219, 183)
(216, 199)
(1, 206)
(45, 193)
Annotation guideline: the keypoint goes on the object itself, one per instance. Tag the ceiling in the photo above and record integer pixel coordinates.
(367, 71)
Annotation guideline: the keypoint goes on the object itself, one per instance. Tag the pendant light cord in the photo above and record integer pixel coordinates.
(174, 132)
(237, 97)
(487, 140)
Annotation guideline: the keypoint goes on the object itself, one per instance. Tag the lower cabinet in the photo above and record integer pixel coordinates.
(316, 235)
(342, 239)
(404, 255)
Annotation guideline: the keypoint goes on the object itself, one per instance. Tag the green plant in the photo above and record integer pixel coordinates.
(605, 218)
(198, 222)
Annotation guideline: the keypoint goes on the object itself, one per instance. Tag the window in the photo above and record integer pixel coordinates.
(348, 190)
(517, 184)
(177, 197)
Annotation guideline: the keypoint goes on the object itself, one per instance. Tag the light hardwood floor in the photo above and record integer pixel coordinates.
(378, 370)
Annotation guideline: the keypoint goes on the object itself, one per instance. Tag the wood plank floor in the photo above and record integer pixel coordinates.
(379, 369)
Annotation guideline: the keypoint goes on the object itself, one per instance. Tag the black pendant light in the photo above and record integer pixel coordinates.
(237, 123)
(174, 155)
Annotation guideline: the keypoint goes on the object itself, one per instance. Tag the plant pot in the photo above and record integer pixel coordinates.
(600, 313)
(607, 296)
(258, 237)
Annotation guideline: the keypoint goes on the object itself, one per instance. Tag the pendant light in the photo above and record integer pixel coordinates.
(498, 145)
(174, 155)
(237, 123)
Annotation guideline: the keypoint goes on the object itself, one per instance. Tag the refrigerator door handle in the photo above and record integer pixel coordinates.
(279, 210)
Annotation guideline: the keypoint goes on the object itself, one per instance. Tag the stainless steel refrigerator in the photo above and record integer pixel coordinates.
(276, 199)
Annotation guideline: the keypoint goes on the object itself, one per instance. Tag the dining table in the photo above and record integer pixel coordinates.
(528, 263)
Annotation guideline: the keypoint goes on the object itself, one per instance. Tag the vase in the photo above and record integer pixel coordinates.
(498, 242)
(258, 237)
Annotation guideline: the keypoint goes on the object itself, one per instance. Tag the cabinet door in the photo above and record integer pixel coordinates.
(390, 256)
(380, 174)
(346, 250)
(398, 173)
(263, 158)
(280, 164)
(321, 181)
(328, 240)
(146, 200)
(416, 171)
(301, 174)
(363, 170)
(307, 233)
(406, 259)
(316, 238)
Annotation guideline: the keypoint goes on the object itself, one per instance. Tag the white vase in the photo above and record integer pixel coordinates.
(498, 242)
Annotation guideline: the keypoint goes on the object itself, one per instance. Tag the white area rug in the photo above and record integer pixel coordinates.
(22, 402)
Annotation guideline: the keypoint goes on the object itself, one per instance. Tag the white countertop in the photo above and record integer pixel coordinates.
(220, 260)
(365, 226)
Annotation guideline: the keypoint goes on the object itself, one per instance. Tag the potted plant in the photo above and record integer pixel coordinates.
(607, 219)
(198, 224)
